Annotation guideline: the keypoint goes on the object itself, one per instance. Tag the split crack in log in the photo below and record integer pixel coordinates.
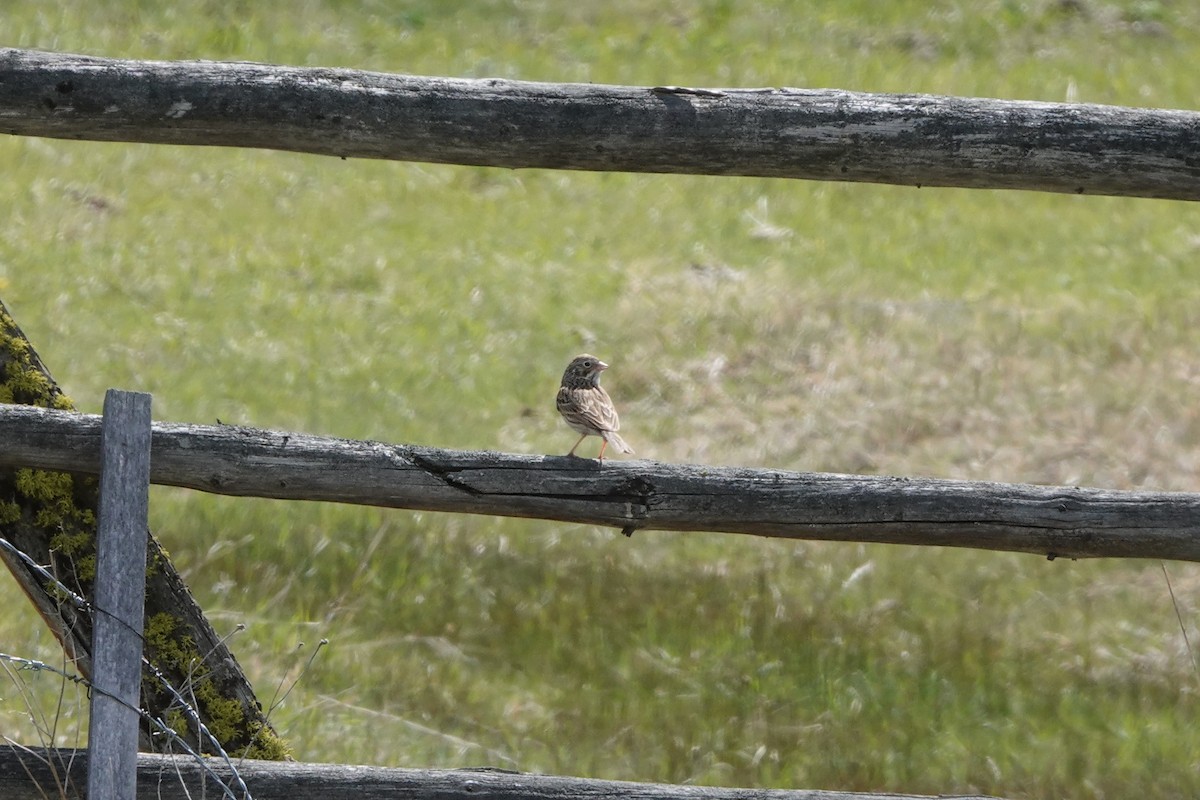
(635, 492)
(443, 472)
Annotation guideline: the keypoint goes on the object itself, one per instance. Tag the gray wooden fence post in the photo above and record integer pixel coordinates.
(119, 605)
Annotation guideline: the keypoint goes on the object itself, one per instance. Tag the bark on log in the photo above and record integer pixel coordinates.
(181, 778)
(1054, 521)
(815, 134)
(50, 516)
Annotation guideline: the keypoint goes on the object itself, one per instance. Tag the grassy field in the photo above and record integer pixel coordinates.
(857, 328)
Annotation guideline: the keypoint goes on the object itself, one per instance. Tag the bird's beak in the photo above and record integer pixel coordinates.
(601, 366)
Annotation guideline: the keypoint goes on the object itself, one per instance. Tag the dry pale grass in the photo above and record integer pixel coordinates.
(982, 389)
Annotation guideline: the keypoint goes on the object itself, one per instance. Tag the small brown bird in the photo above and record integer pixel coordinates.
(585, 405)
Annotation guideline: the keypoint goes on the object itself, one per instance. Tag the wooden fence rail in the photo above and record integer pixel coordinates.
(1055, 521)
(817, 134)
(160, 777)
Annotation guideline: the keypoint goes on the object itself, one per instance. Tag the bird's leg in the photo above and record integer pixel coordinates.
(602, 446)
(581, 438)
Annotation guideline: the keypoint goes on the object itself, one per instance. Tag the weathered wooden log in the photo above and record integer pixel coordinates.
(1054, 521)
(816, 134)
(26, 773)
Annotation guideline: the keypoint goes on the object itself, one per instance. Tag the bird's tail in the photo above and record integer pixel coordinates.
(616, 441)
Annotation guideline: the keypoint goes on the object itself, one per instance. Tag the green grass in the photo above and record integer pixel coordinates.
(968, 334)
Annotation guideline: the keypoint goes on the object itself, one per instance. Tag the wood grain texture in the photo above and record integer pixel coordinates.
(119, 607)
(1054, 521)
(816, 134)
(179, 778)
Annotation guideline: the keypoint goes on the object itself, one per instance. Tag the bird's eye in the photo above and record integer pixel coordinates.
(587, 364)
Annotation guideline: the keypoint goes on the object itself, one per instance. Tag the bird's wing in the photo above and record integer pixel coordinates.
(595, 406)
